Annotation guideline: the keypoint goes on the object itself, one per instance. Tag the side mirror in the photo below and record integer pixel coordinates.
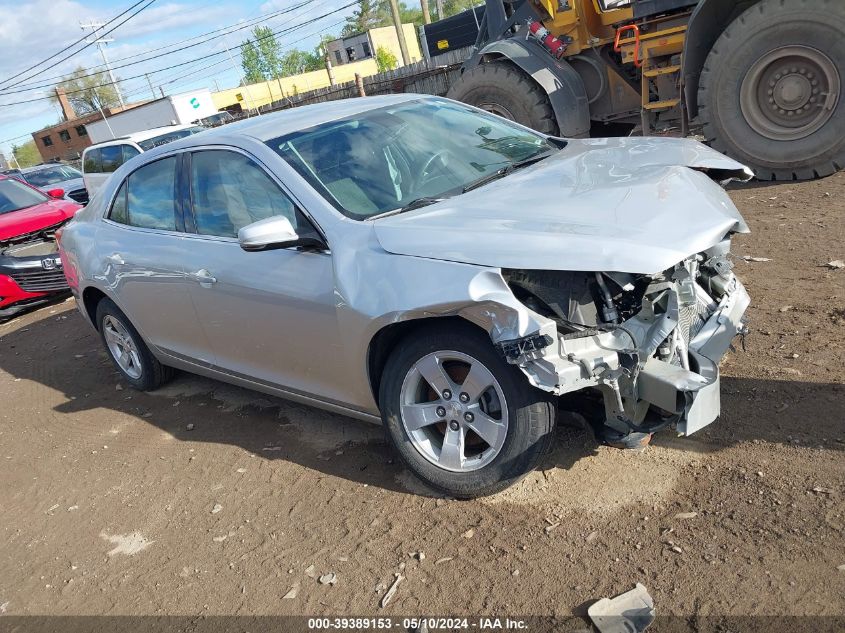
(275, 232)
(56, 193)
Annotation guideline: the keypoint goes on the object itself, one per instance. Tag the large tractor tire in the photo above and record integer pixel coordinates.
(771, 89)
(502, 88)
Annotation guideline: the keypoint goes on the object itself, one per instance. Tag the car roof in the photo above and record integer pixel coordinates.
(29, 170)
(275, 124)
(142, 136)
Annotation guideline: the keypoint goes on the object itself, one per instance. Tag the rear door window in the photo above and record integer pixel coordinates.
(92, 164)
(151, 196)
(112, 158)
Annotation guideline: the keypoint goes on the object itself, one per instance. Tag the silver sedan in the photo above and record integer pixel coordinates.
(418, 262)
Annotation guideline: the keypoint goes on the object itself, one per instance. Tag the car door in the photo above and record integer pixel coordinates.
(142, 243)
(269, 315)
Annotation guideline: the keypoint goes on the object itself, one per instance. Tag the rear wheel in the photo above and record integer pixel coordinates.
(461, 418)
(503, 89)
(770, 91)
(127, 350)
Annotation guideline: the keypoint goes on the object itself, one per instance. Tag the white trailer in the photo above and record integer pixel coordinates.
(179, 109)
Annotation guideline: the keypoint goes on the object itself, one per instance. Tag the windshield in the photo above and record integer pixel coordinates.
(387, 158)
(15, 195)
(169, 137)
(51, 175)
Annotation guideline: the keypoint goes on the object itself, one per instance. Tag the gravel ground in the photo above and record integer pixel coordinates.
(112, 504)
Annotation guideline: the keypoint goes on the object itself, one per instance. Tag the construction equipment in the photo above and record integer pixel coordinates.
(762, 79)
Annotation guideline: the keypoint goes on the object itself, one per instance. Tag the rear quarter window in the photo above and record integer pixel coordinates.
(92, 162)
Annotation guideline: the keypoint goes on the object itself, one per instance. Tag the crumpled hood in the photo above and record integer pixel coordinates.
(32, 219)
(616, 204)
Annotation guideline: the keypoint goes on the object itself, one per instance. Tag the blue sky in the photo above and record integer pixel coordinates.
(32, 30)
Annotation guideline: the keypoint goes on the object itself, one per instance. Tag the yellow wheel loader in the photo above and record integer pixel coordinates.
(761, 80)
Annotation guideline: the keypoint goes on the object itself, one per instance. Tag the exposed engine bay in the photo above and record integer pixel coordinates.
(647, 345)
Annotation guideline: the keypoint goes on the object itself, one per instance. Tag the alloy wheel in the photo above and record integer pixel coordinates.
(122, 347)
(454, 411)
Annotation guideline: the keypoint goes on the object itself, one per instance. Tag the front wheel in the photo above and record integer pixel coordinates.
(462, 419)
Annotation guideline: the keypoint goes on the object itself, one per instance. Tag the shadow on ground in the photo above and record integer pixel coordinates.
(62, 353)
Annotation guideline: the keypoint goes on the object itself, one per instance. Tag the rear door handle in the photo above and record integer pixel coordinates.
(115, 258)
(203, 277)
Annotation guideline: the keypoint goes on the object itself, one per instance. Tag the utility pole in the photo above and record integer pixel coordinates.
(151, 85)
(100, 41)
(400, 33)
(439, 9)
(329, 69)
(426, 12)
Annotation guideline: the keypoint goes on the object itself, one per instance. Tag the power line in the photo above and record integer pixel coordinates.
(238, 52)
(92, 71)
(15, 138)
(100, 41)
(68, 46)
(149, 2)
(272, 34)
(173, 80)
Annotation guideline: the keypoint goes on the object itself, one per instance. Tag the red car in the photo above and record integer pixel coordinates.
(30, 266)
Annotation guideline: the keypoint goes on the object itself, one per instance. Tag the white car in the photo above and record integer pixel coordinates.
(101, 160)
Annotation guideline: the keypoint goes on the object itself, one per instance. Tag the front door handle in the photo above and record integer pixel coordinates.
(203, 277)
(116, 259)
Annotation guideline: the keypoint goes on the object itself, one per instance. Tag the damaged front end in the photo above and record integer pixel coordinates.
(647, 346)
(30, 269)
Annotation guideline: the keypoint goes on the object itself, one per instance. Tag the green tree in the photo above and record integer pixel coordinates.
(27, 154)
(293, 62)
(88, 92)
(251, 63)
(313, 61)
(269, 52)
(368, 15)
(385, 60)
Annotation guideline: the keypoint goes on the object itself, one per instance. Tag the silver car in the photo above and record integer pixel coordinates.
(414, 261)
(55, 176)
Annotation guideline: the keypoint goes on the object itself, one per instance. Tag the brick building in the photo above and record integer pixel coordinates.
(66, 140)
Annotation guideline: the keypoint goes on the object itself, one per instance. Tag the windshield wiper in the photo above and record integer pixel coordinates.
(416, 203)
(507, 169)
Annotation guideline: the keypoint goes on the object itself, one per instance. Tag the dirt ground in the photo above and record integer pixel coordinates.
(111, 504)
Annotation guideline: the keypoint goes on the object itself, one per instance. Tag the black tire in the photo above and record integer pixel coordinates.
(531, 413)
(741, 53)
(512, 92)
(152, 373)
